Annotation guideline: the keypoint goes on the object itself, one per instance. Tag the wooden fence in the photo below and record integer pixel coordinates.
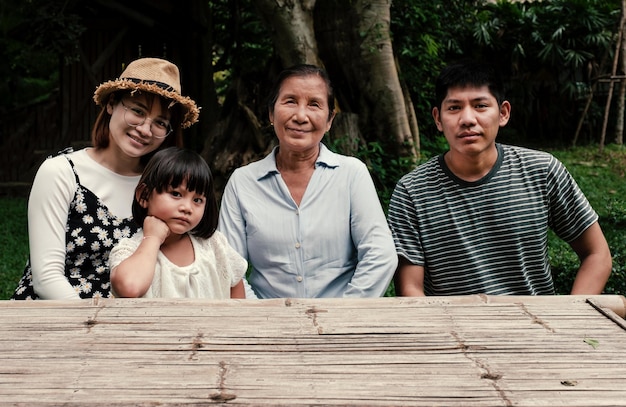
(27, 135)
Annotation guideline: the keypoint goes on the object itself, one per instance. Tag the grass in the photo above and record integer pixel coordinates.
(13, 243)
(600, 176)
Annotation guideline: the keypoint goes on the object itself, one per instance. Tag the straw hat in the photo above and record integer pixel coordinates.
(152, 75)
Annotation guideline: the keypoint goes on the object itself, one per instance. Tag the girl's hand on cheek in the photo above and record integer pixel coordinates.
(153, 226)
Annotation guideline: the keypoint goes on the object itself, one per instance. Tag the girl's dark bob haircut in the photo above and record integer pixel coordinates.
(170, 167)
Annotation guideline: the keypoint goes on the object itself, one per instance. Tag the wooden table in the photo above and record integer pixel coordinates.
(436, 351)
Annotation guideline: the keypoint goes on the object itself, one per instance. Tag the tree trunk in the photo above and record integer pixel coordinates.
(621, 102)
(352, 41)
(618, 47)
(292, 24)
(355, 43)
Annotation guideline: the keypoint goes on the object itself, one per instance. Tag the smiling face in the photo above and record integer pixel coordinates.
(301, 114)
(136, 141)
(470, 118)
(181, 209)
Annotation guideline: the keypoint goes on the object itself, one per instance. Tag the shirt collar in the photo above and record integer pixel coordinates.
(267, 166)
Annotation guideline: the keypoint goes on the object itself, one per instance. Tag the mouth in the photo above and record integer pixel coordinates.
(466, 135)
(182, 220)
(137, 139)
(299, 132)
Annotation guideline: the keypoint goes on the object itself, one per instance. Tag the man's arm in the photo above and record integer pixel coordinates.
(595, 261)
(409, 279)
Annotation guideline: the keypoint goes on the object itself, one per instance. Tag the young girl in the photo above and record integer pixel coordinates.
(178, 253)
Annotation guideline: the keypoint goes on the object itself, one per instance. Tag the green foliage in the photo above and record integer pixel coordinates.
(385, 168)
(549, 53)
(13, 243)
(424, 32)
(601, 178)
(32, 48)
(242, 51)
(242, 42)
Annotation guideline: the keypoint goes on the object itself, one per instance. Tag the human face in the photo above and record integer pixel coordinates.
(470, 118)
(181, 209)
(301, 113)
(136, 141)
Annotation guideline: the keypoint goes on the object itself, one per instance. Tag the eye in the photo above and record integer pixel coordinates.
(175, 193)
(137, 111)
(199, 200)
(162, 124)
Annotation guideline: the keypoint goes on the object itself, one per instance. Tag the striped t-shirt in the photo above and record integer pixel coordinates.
(488, 236)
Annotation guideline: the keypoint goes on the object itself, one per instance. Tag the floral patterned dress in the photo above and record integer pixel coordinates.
(91, 233)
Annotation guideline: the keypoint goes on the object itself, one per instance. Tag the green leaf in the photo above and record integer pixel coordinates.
(592, 342)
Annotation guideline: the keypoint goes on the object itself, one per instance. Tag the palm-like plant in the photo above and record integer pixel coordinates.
(551, 51)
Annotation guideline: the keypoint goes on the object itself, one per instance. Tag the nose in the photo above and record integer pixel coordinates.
(467, 117)
(185, 206)
(146, 126)
(300, 115)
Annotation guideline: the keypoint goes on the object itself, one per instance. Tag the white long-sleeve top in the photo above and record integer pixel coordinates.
(52, 192)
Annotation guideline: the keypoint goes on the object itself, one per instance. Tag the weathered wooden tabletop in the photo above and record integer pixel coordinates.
(454, 351)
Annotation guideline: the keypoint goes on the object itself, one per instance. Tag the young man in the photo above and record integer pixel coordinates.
(475, 219)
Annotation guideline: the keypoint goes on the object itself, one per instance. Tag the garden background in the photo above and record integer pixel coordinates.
(562, 62)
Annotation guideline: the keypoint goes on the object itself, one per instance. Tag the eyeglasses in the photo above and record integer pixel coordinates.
(135, 116)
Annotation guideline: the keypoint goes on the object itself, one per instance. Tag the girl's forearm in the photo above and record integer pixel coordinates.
(133, 276)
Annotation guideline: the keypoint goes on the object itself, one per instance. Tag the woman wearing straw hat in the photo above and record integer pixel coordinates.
(80, 202)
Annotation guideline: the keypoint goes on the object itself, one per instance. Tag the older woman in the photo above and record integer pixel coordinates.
(308, 220)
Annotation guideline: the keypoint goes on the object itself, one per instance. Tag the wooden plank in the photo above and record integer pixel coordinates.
(457, 351)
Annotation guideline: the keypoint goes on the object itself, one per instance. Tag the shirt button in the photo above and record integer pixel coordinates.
(299, 278)
(297, 245)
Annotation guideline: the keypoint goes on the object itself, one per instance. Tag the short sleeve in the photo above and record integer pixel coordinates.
(230, 262)
(123, 250)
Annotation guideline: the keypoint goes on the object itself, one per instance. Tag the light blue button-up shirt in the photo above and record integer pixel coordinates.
(335, 244)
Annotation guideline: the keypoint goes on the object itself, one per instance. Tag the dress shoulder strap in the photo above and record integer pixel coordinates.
(64, 152)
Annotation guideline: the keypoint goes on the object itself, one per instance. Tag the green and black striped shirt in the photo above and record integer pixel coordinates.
(488, 236)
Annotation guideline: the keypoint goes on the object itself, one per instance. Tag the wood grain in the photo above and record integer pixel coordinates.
(438, 351)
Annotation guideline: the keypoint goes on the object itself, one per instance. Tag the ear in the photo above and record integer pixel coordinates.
(110, 105)
(437, 118)
(140, 196)
(505, 113)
